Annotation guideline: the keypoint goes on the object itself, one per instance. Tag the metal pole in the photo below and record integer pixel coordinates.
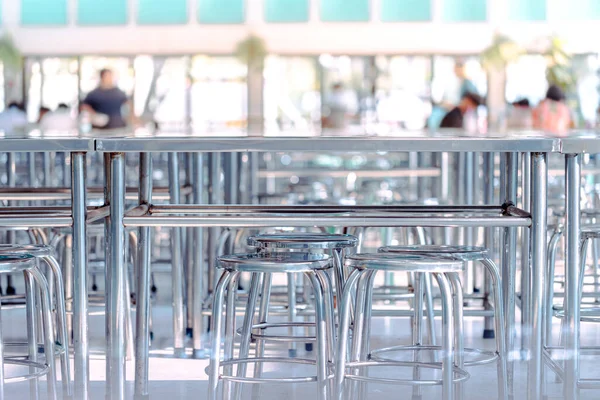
(215, 197)
(176, 264)
(80, 262)
(572, 256)
(488, 197)
(469, 196)
(254, 181)
(445, 177)
(142, 339)
(115, 266)
(197, 283)
(525, 265)
(189, 251)
(539, 215)
(509, 259)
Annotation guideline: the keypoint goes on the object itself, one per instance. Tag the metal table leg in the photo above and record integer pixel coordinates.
(539, 227)
(525, 266)
(80, 261)
(177, 272)
(115, 279)
(142, 339)
(509, 259)
(197, 283)
(571, 318)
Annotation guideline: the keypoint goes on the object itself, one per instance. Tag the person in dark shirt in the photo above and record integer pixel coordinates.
(455, 117)
(105, 102)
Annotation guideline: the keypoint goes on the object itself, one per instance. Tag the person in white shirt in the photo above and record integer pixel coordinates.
(59, 120)
(13, 118)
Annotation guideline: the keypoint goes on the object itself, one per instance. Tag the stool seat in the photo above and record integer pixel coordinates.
(590, 232)
(404, 262)
(274, 262)
(16, 263)
(303, 241)
(33, 250)
(464, 253)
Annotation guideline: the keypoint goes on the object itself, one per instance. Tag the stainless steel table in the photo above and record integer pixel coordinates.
(114, 148)
(78, 147)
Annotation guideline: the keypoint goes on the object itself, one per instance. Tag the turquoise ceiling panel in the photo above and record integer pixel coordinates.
(345, 10)
(43, 12)
(286, 10)
(102, 12)
(157, 12)
(405, 10)
(526, 10)
(464, 10)
(221, 11)
(579, 10)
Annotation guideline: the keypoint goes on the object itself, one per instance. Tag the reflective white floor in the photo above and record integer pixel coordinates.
(186, 379)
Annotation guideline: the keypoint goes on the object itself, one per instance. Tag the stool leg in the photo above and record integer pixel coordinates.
(229, 331)
(321, 335)
(417, 331)
(430, 310)
(247, 328)
(459, 343)
(343, 328)
(365, 347)
(62, 324)
(216, 333)
(552, 247)
(338, 270)
(360, 335)
(447, 337)
(325, 281)
(494, 274)
(263, 312)
(32, 344)
(2, 397)
(48, 330)
(291, 287)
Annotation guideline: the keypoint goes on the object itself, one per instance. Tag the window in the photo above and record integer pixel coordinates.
(105, 12)
(162, 12)
(286, 10)
(344, 10)
(44, 12)
(221, 11)
(405, 10)
(464, 10)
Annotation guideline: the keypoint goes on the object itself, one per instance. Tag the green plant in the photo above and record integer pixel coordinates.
(252, 50)
(559, 71)
(10, 56)
(501, 52)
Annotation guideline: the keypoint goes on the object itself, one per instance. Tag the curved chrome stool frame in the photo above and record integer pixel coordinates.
(445, 270)
(261, 266)
(35, 282)
(45, 253)
(332, 244)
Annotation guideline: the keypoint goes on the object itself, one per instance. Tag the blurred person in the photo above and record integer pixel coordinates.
(519, 115)
(59, 120)
(43, 111)
(466, 84)
(455, 118)
(552, 114)
(13, 118)
(105, 103)
(339, 106)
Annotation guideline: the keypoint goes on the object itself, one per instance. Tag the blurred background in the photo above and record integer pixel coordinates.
(285, 65)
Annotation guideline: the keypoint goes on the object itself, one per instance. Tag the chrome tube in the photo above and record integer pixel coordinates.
(488, 197)
(549, 283)
(459, 359)
(509, 258)
(177, 273)
(447, 357)
(469, 197)
(115, 267)
(526, 269)
(445, 178)
(572, 257)
(77, 262)
(214, 198)
(32, 329)
(142, 337)
(539, 228)
(311, 220)
(321, 335)
(198, 286)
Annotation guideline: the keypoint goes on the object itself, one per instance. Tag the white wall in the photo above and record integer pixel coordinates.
(304, 38)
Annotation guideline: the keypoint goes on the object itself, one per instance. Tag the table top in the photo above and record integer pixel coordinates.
(447, 141)
(36, 141)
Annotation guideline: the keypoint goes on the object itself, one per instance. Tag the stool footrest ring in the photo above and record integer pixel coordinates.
(279, 360)
(460, 375)
(40, 370)
(282, 338)
(488, 356)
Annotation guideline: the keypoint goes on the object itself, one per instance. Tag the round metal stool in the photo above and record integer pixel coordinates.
(365, 267)
(34, 282)
(261, 265)
(45, 253)
(334, 244)
(463, 254)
